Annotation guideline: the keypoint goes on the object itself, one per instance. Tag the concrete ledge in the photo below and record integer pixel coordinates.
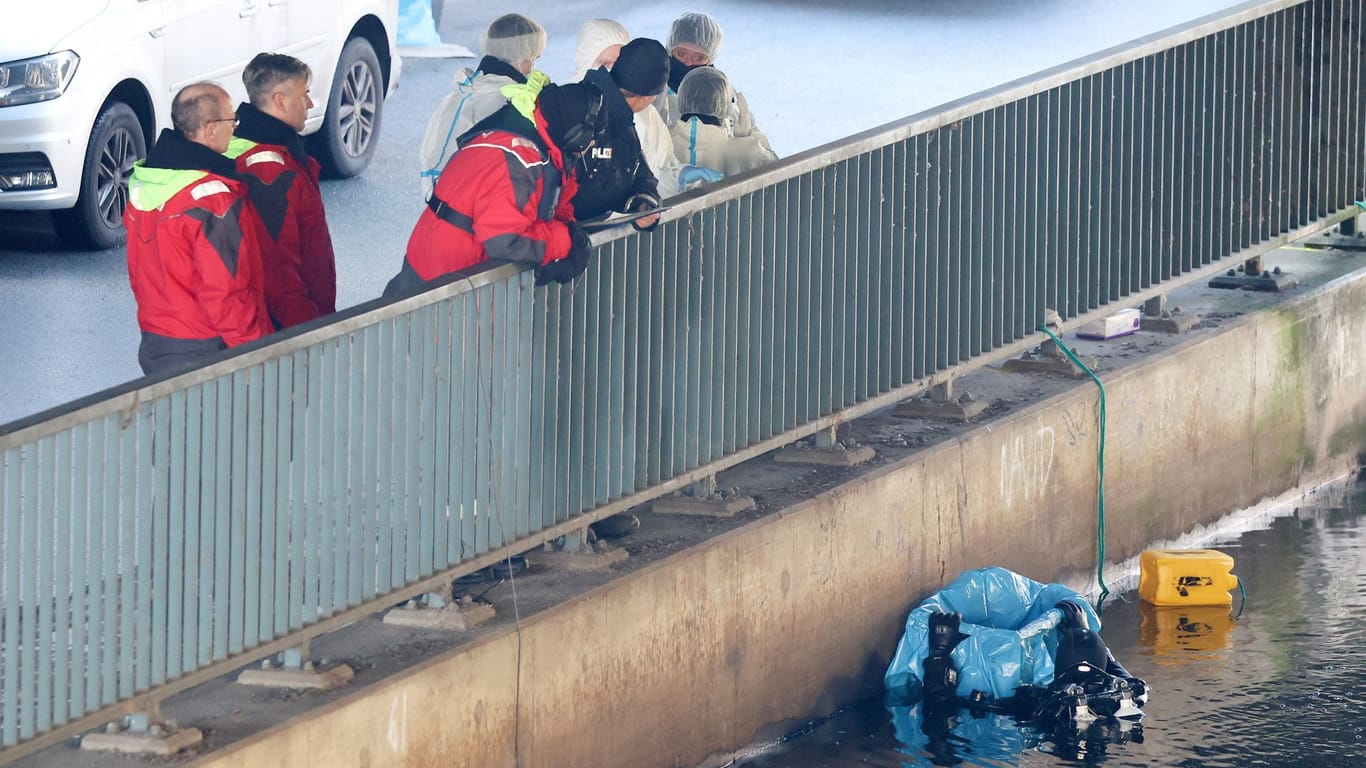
(694, 653)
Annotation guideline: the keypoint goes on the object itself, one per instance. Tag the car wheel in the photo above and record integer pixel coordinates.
(116, 142)
(350, 132)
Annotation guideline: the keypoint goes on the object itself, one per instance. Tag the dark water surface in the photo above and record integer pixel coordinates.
(1282, 685)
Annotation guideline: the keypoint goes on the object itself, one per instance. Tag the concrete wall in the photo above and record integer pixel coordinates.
(693, 654)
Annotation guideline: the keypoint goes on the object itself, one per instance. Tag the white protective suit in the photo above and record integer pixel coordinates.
(706, 91)
(473, 97)
(511, 44)
(713, 146)
(656, 146)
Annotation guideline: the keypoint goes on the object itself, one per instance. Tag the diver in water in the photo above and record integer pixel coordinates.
(1088, 682)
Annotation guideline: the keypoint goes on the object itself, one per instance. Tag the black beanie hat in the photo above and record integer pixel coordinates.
(642, 67)
(566, 106)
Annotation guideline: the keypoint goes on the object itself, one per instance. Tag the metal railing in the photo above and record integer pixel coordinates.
(162, 533)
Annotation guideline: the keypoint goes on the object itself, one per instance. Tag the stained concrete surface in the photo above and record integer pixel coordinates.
(228, 713)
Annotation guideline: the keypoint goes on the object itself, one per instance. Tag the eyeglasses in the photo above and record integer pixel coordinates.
(235, 121)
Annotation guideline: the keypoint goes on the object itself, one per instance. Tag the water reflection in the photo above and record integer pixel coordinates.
(1282, 684)
(1175, 633)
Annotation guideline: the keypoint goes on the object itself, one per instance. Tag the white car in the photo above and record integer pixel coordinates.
(86, 86)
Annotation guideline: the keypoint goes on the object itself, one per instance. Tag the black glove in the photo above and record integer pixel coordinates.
(1072, 615)
(642, 202)
(944, 634)
(571, 266)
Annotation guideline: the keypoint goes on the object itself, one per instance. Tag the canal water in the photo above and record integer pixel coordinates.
(1283, 683)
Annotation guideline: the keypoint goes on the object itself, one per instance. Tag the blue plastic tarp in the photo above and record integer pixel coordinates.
(1008, 620)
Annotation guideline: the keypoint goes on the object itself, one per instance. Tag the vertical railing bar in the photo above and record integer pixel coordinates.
(753, 252)
(629, 266)
(110, 553)
(466, 437)
(612, 421)
(722, 228)
(391, 337)
(297, 510)
(81, 636)
(130, 588)
(65, 633)
(157, 540)
(335, 454)
(982, 244)
(786, 282)
(275, 400)
(486, 510)
(591, 469)
(809, 276)
(527, 519)
(235, 512)
(438, 544)
(44, 550)
(506, 390)
(1012, 183)
(373, 432)
(542, 429)
(254, 469)
(28, 679)
(556, 385)
(414, 422)
(12, 471)
(897, 213)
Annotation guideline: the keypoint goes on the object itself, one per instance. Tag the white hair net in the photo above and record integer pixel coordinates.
(594, 37)
(513, 38)
(698, 30)
(704, 91)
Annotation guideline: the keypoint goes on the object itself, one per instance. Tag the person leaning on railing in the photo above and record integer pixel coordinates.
(507, 192)
(614, 175)
(599, 46)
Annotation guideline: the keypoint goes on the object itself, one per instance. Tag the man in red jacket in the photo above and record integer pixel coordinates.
(282, 183)
(193, 259)
(505, 194)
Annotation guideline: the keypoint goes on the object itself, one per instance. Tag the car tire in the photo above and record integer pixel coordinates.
(116, 142)
(350, 132)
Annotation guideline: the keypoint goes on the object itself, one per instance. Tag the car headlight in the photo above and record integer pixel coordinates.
(40, 79)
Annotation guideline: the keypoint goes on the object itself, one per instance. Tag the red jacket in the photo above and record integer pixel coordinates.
(296, 248)
(193, 260)
(509, 199)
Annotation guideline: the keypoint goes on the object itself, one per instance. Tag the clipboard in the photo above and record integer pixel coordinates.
(617, 219)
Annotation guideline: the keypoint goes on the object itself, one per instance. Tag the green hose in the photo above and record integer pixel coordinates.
(1100, 460)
